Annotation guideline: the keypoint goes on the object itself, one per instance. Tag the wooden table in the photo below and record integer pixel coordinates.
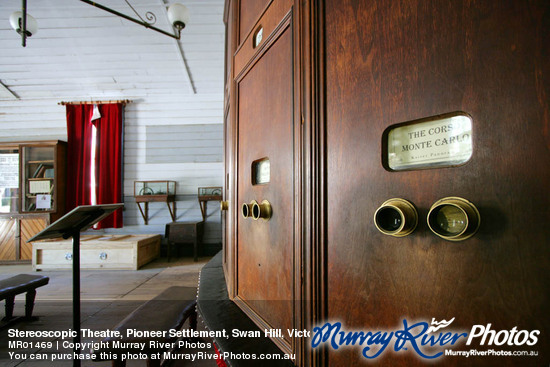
(185, 232)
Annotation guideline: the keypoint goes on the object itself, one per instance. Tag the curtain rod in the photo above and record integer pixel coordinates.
(123, 101)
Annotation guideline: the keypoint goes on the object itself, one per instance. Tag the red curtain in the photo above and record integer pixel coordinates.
(79, 146)
(108, 158)
(109, 161)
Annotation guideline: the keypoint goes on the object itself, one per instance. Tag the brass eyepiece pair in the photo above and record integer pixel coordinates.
(451, 218)
(257, 211)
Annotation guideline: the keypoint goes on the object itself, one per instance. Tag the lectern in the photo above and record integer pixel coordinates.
(70, 225)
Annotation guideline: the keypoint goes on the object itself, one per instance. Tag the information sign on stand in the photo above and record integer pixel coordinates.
(70, 225)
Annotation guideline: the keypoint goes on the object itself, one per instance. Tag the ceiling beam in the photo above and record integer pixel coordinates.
(4, 87)
(187, 70)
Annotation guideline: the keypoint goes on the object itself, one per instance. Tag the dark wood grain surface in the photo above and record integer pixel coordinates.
(265, 130)
(392, 62)
(249, 12)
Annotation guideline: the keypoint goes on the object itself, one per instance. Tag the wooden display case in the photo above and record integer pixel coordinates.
(155, 191)
(206, 194)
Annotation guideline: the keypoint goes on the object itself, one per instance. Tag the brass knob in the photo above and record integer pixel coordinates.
(262, 210)
(454, 219)
(224, 205)
(246, 209)
(396, 217)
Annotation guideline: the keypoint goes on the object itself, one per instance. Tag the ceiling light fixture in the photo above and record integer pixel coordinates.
(23, 23)
(178, 15)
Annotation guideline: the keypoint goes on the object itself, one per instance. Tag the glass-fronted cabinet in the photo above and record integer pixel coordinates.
(38, 178)
(42, 181)
(32, 193)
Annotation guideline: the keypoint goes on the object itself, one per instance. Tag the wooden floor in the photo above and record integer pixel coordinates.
(107, 296)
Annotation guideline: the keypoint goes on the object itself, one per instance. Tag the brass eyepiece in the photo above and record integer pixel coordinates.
(454, 219)
(246, 209)
(262, 210)
(396, 217)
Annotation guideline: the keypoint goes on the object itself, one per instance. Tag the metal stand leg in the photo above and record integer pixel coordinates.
(76, 294)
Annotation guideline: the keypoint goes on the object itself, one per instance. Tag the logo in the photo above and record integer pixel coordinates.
(439, 325)
(428, 341)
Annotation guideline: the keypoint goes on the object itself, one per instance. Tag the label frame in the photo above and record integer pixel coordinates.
(389, 155)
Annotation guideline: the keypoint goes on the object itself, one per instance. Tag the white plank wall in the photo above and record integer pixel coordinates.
(44, 120)
(83, 53)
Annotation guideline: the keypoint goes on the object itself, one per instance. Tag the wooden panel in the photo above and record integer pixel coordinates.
(249, 12)
(8, 229)
(228, 216)
(29, 227)
(265, 249)
(415, 59)
(268, 22)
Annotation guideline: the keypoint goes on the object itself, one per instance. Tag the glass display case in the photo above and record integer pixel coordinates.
(155, 191)
(210, 193)
(142, 188)
(206, 194)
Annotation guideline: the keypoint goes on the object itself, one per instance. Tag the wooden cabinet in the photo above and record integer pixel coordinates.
(15, 231)
(184, 232)
(43, 177)
(418, 59)
(32, 190)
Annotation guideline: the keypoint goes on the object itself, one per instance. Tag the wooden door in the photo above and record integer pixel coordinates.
(8, 232)
(265, 157)
(29, 226)
(389, 62)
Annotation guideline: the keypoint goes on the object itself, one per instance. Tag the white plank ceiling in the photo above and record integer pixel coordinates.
(81, 51)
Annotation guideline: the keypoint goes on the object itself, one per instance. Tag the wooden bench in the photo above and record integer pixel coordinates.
(167, 311)
(11, 287)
